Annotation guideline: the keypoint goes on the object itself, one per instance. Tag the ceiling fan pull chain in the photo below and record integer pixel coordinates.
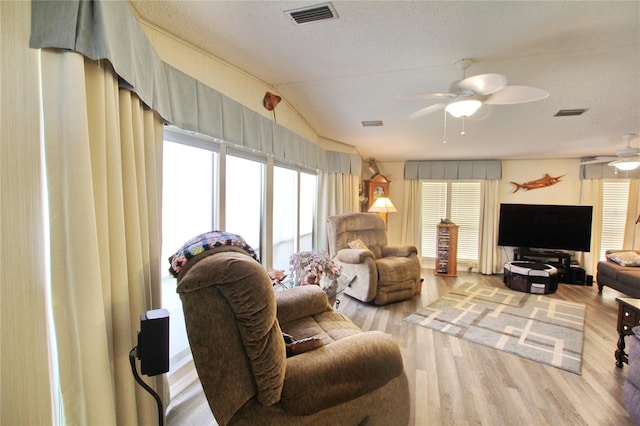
(463, 132)
(444, 134)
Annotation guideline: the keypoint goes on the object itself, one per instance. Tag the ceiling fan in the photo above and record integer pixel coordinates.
(627, 158)
(466, 96)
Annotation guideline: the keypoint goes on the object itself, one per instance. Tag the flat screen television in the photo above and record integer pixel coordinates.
(543, 226)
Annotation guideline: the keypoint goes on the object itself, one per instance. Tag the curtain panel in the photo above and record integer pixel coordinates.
(103, 153)
(453, 170)
(25, 366)
(591, 195)
(108, 30)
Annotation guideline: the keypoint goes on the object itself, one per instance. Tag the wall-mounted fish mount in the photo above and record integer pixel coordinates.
(543, 182)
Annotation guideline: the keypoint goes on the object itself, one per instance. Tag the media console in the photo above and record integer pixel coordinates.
(567, 272)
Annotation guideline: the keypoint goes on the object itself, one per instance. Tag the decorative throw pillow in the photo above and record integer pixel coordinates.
(625, 258)
(358, 244)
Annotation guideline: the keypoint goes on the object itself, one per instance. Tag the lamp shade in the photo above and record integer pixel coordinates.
(382, 205)
(464, 108)
(625, 164)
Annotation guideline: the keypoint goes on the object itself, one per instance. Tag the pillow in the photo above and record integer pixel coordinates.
(358, 244)
(625, 258)
(295, 347)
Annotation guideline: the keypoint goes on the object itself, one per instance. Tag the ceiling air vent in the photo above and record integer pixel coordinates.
(570, 112)
(320, 12)
(373, 123)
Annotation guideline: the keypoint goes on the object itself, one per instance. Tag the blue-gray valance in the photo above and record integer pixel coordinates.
(108, 30)
(605, 171)
(453, 170)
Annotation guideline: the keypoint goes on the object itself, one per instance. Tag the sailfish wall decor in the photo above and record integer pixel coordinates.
(543, 182)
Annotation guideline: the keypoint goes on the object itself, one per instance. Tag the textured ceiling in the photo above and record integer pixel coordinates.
(340, 72)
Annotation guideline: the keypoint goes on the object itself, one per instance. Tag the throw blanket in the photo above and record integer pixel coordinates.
(206, 241)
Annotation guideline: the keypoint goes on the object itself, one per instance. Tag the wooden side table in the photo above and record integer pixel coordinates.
(628, 317)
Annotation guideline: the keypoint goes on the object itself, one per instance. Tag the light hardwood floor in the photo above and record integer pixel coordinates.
(455, 382)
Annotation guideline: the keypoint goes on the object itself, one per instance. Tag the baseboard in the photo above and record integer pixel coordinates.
(183, 373)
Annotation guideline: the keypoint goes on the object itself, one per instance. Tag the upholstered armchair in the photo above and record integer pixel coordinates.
(631, 388)
(383, 273)
(235, 320)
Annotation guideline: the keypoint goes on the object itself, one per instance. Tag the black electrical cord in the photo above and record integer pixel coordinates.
(132, 360)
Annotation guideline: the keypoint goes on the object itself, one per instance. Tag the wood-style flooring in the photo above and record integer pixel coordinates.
(455, 382)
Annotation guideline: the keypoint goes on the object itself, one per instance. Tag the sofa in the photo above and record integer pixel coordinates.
(621, 271)
(239, 331)
(381, 273)
(631, 388)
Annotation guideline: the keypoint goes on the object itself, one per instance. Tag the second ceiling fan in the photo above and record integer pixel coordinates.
(466, 96)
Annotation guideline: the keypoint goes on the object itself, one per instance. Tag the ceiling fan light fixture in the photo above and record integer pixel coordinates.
(625, 165)
(464, 108)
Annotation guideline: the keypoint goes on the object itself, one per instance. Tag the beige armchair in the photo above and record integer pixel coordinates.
(383, 273)
(234, 321)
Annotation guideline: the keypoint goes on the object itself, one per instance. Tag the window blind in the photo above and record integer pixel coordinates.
(433, 207)
(457, 201)
(465, 212)
(615, 198)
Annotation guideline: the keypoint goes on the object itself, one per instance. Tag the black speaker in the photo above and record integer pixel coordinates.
(578, 276)
(153, 342)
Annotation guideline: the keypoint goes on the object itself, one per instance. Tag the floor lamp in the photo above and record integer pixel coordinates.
(382, 206)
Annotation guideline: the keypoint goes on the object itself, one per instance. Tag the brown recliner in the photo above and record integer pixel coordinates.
(234, 321)
(383, 273)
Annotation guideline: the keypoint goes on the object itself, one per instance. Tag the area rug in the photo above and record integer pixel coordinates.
(536, 327)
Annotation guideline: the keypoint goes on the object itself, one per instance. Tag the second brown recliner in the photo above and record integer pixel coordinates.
(381, 273)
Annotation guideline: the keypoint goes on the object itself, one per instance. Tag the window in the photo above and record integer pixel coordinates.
(187, 211)
(294, 194)
(458, 201)
(285, 215)
(243, 199)
(615, 198)
(308, 195)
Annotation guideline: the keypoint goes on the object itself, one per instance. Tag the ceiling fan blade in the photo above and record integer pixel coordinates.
(439, 95)
(483, 84)
(598, 160)
(510, 95)
(428, 110)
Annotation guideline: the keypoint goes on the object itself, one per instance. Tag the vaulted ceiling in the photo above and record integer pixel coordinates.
(340, 72)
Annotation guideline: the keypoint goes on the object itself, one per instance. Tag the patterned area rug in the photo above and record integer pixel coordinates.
(535, 327)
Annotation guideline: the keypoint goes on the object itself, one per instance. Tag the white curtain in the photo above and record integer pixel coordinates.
(631, 228)
(410, 232)
(103, 155)
(337, 194)
(591, 195)
(25, 376)
(489, 262)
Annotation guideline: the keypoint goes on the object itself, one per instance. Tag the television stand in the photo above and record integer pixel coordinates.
(561, 260)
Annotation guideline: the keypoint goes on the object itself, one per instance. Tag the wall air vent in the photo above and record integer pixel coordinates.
(372, 123)
(570, 112)
(320, 12)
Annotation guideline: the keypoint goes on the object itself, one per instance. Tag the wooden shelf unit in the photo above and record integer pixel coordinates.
(447, 250)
